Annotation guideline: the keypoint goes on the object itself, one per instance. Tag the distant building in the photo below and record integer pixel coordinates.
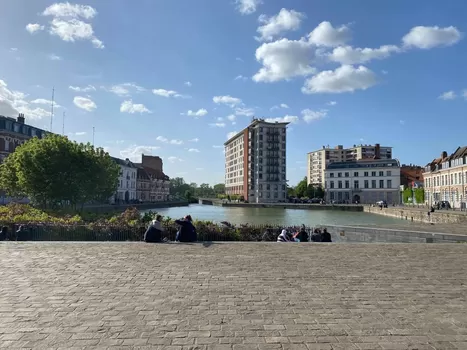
(126, 190)
(445, 179)
(14, 132)
(411, 176)
(364, 181)
(255, 162)
(318, 161)
(152, 184)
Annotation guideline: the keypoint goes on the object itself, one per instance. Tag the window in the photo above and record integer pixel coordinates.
(381, 183)
(268, 195)
(331, 175)
(388, 173)
(381, 173)
(260, 129)
(260, 176)
(331, 184)
(268, 187)
(283, 187)
(339, 174)
(283, 153)
(347, 184)
(346, 174)
(355, 174)
(339, 184)
(276, 195)
(365, 184)
(373, 173)
(389, 184)
(260, 187)
(373, 183)
(332, 196)
(261, 137)
(365, 173)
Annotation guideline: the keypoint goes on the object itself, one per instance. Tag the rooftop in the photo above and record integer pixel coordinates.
(365, 163)
(254, 122)
(233, 296)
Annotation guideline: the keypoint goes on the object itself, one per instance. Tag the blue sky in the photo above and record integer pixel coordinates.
(174, 78)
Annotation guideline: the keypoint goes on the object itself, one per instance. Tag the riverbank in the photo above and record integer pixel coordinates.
(107, 208)
(420, 215)
(341, 207)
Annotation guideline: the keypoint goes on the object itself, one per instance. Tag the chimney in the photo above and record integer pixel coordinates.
(444, 155)
(377, 151)
(20, 118)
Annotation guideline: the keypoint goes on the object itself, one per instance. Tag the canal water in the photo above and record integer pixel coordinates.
(277, 216)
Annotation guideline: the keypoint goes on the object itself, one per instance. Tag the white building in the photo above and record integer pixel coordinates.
(318, 161)
(363, 181)
(126, 190)
(255, 163)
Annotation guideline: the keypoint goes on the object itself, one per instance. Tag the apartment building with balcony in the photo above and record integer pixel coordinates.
(255, 162)
(365, 181)
(445, 179)
(318, 161)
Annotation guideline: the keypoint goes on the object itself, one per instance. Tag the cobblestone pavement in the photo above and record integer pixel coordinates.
(233, 296)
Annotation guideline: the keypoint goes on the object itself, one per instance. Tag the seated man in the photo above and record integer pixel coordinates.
(187, 231)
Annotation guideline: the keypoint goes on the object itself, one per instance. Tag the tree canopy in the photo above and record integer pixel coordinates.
(304, 190)
(179, 187)
(55, 170)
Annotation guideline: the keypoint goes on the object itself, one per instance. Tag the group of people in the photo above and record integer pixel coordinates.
(186, 232)
(302, 236)
(22, 234)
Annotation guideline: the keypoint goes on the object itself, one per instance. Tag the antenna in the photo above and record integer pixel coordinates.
(52, 109)
(63, 125)
(93, 133)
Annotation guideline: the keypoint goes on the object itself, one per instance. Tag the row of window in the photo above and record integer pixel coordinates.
(447, 180)
(128, 184)
(356, 184)
(365, 173)
(268, 187)
(275, 195)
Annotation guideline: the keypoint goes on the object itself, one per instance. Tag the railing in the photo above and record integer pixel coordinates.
(95, 233)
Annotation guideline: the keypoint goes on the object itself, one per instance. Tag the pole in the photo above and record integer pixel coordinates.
(63, 125)
(93, 133)
(52, 109)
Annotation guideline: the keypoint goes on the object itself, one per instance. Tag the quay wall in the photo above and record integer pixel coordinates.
(143, 206)
(421, 215)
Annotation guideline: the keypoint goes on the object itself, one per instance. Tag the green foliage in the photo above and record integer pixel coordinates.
(301, 188)
(407, 195)
(419, 194)
(304, 190)
(55, 170)
(178, 187)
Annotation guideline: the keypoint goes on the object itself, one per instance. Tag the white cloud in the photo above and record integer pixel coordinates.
(274, 26)
(287, 119)
(227, 100)
(84, 103)
(164, 93)
(344, 79)
(448, 95)
(173, 159)
(14, 49)
(231, 117)
(239, 59)
(82, 89)
(326, 35)
(73, 29)
(199, 113)
(311, 116)
(80, 133)
(187, 83)
(247, 7)
(429, 37)
(65, 9)
(124, 89)
(331, 103)
(193, 150)
(166, 140)
(129, 107)
(135, 152)
(247, 112)
(283, 60)
(219, 119)
(384, 72)
(350, 55)
(231, 134)
(54, 57)
(282, 105)
(194, 140)
(34, 27)
(43, 101)
(218, 125)
(240, 77)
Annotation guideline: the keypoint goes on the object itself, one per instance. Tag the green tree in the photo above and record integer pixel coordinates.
(407, 195)
(219, 189)
(290, 191)
(55, 170)
(301, 188)
(419, 194)
(319, 192)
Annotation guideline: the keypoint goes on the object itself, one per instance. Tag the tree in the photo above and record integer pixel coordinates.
(419, 194)
(290, 191)
(219, 189)
(55, 170)
(319, 192)
(301, 188)
(407, 195)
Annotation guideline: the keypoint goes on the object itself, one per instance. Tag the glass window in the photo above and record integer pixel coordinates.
(388, 173)
(346, 174)
(339, 184)
(389, 184)
(339, 174)
(347, 184)
(365, 173)
(355, 184)
(373, 183)
(365, 184)
(331, 184)
(355, 174)
(331, 175)
(381, 173)
(381, 183)
(373, 173)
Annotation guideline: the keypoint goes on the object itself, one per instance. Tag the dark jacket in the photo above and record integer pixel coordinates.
(316, 237)
(187, 232)
(326, 237)
(303, 236)
(152, 235)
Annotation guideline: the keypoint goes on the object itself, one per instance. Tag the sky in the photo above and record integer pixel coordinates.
(175, 78)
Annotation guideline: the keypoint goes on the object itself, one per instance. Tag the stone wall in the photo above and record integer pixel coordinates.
(420, 215)
(354, 234)
(339, 207)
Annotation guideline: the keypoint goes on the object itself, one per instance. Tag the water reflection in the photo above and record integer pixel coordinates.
(277, 216)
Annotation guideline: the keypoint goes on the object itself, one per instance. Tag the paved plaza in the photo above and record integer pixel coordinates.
(233, 296)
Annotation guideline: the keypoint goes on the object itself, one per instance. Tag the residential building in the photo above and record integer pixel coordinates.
(318, 161)
(411, 176)
(126, 190)
(255, 162)
(365, 181)
(445, 179)
(152, 184)
(14, 132)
